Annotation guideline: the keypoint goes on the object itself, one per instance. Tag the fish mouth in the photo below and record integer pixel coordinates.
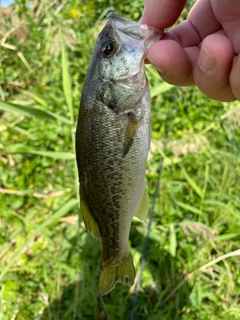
(115, 16)
(135, 30)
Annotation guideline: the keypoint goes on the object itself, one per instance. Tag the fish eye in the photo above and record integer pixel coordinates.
(108, 48)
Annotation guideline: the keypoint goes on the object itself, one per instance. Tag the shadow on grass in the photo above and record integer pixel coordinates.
(80, 300)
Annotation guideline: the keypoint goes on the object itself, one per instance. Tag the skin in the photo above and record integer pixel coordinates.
(202, 50)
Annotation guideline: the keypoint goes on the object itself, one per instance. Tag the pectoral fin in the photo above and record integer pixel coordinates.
(142, 209)
(129, 135)
(88, 218)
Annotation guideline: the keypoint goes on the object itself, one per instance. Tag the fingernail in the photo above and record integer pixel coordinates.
(206, 61)
(159, 68)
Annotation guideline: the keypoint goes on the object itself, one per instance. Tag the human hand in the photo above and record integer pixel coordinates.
(204, 50)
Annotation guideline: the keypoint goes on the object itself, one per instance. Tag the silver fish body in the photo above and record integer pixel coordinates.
(112, 143)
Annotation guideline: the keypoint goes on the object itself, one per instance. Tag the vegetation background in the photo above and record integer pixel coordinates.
(49, 263)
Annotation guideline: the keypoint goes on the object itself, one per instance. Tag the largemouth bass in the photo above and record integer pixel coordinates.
(112, 143)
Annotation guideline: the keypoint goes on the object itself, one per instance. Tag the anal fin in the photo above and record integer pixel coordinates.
(143, 206)
(88, 219)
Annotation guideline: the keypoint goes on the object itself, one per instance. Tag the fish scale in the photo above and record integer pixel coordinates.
(112, 143)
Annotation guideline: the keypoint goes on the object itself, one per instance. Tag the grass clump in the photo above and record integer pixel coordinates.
(49, 263)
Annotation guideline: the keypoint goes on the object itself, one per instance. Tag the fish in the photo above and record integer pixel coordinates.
(112, 143)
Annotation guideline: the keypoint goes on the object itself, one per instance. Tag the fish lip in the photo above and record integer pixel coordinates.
(116, 16)
(135, 29)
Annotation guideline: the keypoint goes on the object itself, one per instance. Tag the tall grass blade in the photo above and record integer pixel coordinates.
(160, 88)
(172, 240)
(31, 112)
(226, 237)
(192, 183)
(206, 179)
(36, 98)
(189, 208)
(19, 148)
(25, 111)
(66, 81)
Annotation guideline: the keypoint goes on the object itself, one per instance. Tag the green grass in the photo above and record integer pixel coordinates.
(48, 262)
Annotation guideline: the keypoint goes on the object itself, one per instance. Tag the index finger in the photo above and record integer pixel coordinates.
(162, 14)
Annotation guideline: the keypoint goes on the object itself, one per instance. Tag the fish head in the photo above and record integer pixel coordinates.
(118, 61)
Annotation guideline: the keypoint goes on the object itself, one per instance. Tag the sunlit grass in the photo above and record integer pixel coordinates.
(49, 263)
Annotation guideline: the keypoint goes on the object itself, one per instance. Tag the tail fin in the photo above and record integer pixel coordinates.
(110, 274)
